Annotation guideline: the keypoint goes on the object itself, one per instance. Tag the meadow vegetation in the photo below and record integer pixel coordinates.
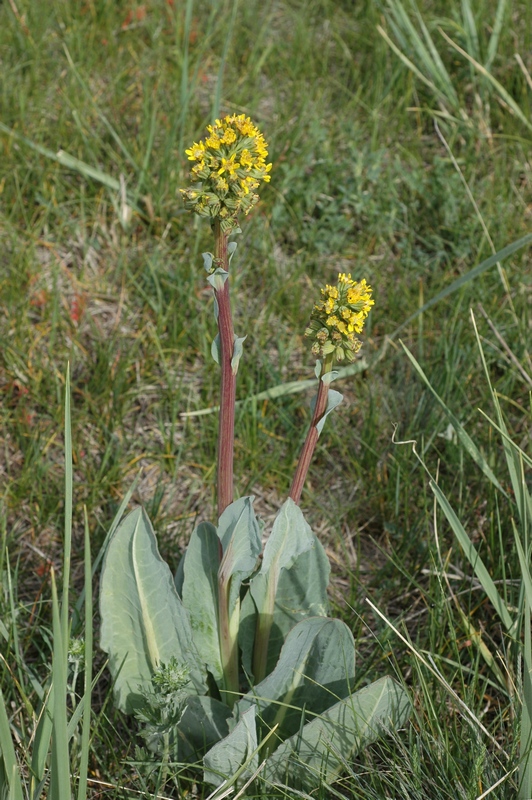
(395, 160)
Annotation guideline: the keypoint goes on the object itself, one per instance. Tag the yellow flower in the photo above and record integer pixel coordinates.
(229, 165)
(236, 150)
(246, 159)
(338, 316)
(213, 142)
(229, 136)
(196, 152)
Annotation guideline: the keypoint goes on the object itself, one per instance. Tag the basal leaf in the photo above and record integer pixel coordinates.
(290, 536)
(316, 668)
(200, 594)
(204, 722)
(318, 752)
(239, 533)
(144, 623)
(301, 593)
(273, 591)
(237, 750)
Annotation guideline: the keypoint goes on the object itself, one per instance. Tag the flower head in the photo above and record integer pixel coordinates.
(229, 165)
(338, 316)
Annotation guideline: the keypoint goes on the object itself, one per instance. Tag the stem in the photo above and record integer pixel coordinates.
(312, 436)
(226, 440)
(226, 428)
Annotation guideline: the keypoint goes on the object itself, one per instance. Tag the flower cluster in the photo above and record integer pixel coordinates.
(230, 164)
(338, 317)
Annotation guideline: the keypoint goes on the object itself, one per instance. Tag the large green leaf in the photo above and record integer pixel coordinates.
(240, 535)
(144, 623)
(290, 585)
(209, 577)
(320, 750)
(200, 594)
(237, 753)
(291, 535)
(316, 668)
(204, 722)
(301, 593)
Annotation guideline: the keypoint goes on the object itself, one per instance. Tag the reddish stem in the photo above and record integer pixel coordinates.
(226, 439)
(226, 427)
(312, 436)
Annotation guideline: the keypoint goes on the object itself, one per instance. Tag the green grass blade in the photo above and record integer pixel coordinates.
(438, 70)
(506, 436)
(63, 158)
(90, 97)
(512, 458)
(86, 702)
(185, 80)
(77, 715)
(473, 557)
(463, 436)
(411, 66)
(13, 614)
(403, 20)
(7, 753)
(506, 96)
(493, 45)
(453, 287)
(60, 759)
(426, 52)
(223, 61)
(70, 162)
(66, 160)
(525, 569)
(41, 743)
(147, 154)
(470, 28)
(60, 788)
(524, 498)
(67, 542)
(525, 762)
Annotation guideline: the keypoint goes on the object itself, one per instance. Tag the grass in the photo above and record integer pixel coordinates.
(110, 279)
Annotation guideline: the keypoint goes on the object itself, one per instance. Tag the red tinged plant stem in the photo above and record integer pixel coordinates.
(312, 436)
(226, 437)
(226, 427)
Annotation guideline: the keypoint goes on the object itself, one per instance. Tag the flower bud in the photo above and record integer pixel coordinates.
(338, 316)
